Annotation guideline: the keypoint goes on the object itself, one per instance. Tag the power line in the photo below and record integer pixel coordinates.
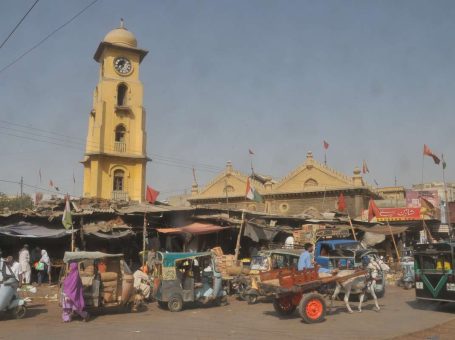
(18, 24)
(67, 142)
(48, 36)
(157, 161)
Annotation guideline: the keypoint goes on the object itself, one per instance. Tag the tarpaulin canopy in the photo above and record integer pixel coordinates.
(383, 229)
(87, 255)
(193, 228)
(29, 230)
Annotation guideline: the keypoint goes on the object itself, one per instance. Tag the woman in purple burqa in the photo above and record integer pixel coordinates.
(73, 296)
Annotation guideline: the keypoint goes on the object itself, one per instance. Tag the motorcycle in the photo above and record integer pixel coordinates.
(10, 301)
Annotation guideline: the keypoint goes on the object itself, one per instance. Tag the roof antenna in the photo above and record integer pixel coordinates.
(122, 24)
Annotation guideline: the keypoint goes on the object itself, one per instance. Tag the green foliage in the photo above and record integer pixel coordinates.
(15, 203)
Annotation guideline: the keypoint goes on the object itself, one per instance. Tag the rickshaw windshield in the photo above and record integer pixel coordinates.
(259, 263)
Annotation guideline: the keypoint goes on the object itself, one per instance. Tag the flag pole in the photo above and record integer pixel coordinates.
(352, 227)
(394, 243)
(144, 235)
(325, 157)
(446, 198)
(237, 245)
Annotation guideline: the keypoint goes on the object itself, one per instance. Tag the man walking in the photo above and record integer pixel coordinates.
(24, 262)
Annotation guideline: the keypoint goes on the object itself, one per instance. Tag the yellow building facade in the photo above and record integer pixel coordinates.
(115, 156)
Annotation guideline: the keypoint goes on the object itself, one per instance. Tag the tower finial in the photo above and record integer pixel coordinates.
(122, 23)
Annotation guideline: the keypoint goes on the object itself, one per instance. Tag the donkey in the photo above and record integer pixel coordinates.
(363, 284)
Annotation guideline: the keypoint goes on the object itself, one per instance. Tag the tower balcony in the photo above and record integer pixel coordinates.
(119, 146)
(119, 195)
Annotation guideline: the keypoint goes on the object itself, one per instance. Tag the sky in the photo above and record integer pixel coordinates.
(375, 79)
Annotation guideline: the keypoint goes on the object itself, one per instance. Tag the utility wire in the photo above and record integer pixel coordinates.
(158, 161)
(67, 142)
(18, 24)
(77, 140)
(48, 36)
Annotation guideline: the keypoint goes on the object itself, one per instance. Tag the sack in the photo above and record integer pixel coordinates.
(39, 266)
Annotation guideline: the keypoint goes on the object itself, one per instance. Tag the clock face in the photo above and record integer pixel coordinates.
(122, 65)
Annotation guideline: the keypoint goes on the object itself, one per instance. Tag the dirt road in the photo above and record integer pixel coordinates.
(400, 315)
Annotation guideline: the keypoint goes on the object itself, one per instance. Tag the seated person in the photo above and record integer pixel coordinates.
(305, 261)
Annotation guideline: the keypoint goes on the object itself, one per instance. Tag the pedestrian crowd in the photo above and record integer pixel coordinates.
(31, 266)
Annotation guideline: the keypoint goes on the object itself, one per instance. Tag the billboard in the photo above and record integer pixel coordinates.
(398, 214)
(413, 197)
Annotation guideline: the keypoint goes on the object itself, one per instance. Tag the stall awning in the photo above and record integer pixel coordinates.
(383, 229)
(29, 230)
(193, 228)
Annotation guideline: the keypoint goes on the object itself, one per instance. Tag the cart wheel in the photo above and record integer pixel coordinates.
(283, 306)
(312, 308)
(252, 299)
(175, 303)
(19, 312)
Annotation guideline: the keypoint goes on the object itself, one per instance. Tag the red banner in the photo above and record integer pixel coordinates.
(398, 214)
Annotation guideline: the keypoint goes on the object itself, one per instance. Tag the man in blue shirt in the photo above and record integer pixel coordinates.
(305, 261)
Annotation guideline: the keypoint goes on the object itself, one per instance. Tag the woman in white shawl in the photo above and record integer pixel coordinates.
(43, 273)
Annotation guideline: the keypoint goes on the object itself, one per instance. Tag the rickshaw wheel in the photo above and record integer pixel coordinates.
(162, 304)
(252, 299)
(284, 306)
(19, 312)
(312, 308)
(175, 303)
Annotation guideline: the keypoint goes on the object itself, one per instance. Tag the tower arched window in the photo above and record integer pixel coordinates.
(119, 180)
(120, 133)
(122, 90)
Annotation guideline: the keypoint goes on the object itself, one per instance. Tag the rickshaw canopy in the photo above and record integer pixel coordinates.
(168, 259)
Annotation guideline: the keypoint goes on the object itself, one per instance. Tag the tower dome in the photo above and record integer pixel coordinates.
(121, 36)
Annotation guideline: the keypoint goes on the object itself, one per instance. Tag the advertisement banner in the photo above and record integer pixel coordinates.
(413, 197)
(398, 214)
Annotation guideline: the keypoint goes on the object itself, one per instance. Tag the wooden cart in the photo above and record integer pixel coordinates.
(301, 290)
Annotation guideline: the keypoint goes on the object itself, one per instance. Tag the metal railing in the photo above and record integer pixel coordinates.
(118, 195)
(120, 146)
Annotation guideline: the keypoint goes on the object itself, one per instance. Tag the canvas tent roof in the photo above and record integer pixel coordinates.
(30, 230)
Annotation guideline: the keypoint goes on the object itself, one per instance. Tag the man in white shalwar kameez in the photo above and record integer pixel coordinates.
(24, 262)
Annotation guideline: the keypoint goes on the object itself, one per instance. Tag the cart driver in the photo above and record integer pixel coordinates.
(306, 260)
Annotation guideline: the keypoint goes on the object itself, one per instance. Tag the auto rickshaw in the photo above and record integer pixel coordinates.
(106, 278)
(265, 261)
(186, 277)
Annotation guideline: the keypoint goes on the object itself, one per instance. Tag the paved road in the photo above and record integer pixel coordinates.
(400, 315)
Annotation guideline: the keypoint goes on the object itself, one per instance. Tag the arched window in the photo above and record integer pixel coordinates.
(120, 133)
(119, 176)
(310, 183)
(121, 95)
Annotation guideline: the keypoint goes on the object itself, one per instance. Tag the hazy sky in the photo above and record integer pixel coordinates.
(373, 78)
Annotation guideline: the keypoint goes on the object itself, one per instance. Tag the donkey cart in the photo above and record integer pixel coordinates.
(302, 290)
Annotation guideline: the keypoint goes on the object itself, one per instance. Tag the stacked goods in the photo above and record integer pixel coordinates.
(227, 265)
(109, 286)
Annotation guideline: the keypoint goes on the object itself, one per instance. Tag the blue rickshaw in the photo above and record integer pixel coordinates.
(186, 277)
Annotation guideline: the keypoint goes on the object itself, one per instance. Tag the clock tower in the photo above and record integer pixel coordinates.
(115, 156)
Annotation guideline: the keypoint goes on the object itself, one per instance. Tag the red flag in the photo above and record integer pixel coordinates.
(151, 195)
(250, 152)
(427, 152)
(341, 202)
(326, 145)
(373, 210)
(365, 167)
